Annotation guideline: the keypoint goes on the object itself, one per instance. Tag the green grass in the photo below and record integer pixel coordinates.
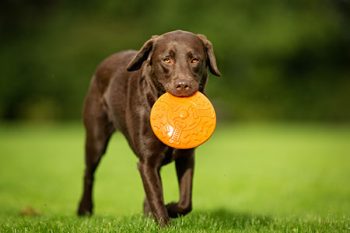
(248, 178)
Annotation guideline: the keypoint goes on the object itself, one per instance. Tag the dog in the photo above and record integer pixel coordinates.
(121, 94)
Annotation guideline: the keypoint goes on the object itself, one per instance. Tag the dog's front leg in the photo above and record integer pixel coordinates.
(184, 162)
(154, 192)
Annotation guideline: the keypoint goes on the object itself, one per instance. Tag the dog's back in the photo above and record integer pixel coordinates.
(109, 89)
(113, 68)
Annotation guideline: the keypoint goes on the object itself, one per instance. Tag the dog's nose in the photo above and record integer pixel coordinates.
(182, 86)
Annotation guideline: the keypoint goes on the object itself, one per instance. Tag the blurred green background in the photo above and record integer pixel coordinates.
(285, 86)
(280, 60)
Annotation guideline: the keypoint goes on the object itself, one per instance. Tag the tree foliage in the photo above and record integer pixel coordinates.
(280, 60)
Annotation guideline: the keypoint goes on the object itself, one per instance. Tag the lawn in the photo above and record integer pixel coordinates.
(248, 178)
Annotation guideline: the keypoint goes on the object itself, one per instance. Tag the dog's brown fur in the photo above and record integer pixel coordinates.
(121, 94)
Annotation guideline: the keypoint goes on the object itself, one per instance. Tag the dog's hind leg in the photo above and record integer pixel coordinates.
(98, 132)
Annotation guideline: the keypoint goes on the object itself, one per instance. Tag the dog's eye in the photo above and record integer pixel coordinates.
(194, 60)
(167, 60)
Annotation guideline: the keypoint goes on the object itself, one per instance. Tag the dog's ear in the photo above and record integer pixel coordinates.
(142, 55)
(211, 56)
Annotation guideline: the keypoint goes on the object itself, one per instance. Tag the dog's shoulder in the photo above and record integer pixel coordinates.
(113, 64)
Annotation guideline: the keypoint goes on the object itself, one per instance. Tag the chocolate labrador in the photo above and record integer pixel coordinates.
(121, 94)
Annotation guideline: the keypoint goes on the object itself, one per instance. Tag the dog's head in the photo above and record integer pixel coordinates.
(177, 61)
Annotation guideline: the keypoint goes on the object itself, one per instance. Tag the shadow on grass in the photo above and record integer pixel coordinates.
(223, 219)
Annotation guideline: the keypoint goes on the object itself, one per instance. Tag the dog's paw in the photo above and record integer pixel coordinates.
(84, 210)
(83, 213)
(172, 209)
(175, 210)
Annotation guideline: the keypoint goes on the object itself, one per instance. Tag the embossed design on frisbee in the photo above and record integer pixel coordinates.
(183, 122)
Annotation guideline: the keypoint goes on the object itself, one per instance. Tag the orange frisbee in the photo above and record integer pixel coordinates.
(183, 122)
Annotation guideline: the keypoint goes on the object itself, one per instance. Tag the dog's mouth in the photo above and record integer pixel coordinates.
(182, 93)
